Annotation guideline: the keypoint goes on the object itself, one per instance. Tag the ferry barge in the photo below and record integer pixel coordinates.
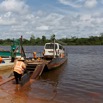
(53, 56)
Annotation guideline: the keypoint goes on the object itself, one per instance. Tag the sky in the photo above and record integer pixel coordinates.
(64, 18)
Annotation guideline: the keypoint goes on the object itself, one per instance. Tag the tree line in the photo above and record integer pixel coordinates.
(92, 40)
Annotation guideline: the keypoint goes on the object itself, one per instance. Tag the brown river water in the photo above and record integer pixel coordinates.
(79, 80)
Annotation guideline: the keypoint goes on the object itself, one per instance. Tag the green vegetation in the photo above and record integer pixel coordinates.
(92, 40)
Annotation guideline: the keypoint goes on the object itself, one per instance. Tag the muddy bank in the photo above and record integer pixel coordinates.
(10, 93)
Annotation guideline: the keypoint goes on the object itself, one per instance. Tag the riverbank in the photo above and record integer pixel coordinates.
(13, 93)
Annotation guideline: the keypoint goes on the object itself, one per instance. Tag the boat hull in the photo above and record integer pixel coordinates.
(7, 54)
(56, 62)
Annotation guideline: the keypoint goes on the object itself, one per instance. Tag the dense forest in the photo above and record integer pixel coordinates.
(92, 40)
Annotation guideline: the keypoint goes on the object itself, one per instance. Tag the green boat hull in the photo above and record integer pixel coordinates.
(7, 54)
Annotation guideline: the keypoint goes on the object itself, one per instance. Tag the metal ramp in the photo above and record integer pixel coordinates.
(33, 72)
(38, 71)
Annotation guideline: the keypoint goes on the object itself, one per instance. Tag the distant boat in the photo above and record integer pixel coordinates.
(17, 46)
(6, 54)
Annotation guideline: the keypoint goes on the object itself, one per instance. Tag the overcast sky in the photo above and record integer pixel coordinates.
(64, 18)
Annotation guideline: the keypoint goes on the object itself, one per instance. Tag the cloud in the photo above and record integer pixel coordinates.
(20, 19)
(17, 6)
(5, 22)
(80, 3)
(44, 27)
(90, 3)
(70, 3)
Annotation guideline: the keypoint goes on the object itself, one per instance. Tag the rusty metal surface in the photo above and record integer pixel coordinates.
(56, 62)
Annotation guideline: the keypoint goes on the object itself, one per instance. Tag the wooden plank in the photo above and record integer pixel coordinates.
(43, 66)
(38, 71)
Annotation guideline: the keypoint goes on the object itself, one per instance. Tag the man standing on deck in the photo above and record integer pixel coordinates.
(13, 55)
(19, 68)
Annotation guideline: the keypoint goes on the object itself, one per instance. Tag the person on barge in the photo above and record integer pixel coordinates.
(19, 68)
(13, 55)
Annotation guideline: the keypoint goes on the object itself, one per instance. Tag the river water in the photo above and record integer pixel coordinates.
(79, 80)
